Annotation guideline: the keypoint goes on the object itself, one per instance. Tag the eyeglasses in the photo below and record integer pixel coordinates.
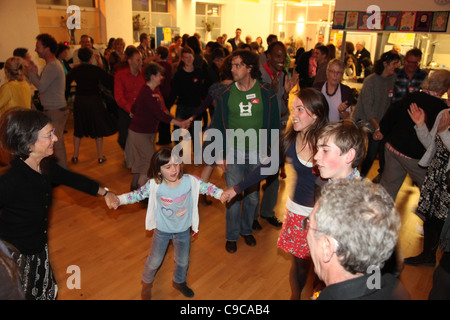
(50, 136)
(335, 72)
(305, 224)
(412, 62)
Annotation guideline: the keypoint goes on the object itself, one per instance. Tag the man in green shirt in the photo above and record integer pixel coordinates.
(246, 113)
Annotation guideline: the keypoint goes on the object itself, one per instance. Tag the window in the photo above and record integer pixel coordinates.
(160, 6)
(147, 15)
(309, 21)
(207, 20)
(66, 3)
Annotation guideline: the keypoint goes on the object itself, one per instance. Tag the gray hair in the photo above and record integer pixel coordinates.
(361, 217)
(337, 62)
(438, 80)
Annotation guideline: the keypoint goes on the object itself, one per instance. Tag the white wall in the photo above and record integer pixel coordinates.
(19, 26)
(118, 22)
(185, 13)
(252, 17)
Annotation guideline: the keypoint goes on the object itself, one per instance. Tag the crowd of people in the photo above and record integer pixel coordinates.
(335, 219)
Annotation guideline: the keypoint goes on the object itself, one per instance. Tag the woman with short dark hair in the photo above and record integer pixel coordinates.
(26, 195)
(147, 112)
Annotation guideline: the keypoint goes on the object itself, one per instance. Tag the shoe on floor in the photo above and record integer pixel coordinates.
(256, 225)
(250, 240)
(377, 179)
(74, 159)
(274, 221)
(102, 159)
(184, 289)
(231, 247)
(203, 200)
(421, 260)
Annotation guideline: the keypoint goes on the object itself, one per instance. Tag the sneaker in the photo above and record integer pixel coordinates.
(184, 289)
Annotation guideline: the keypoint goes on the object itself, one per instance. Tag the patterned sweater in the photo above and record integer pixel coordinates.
(150, 189)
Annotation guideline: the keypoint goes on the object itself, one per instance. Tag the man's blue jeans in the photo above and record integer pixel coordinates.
(240, 221)
(181, 245)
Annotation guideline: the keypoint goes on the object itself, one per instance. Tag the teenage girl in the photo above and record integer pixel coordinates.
(309, 115)
(172, 211)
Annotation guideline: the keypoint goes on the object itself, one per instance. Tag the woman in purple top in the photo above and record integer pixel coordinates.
(147, 112)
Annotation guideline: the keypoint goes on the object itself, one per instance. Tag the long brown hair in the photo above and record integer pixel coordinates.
(316, 104)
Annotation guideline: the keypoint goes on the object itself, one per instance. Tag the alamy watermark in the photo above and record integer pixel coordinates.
(74, 17)
(74, 280)
(374, 20)
(236, 141)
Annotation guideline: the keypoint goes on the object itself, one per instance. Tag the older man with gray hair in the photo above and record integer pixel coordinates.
(361, 53)
(353, 231)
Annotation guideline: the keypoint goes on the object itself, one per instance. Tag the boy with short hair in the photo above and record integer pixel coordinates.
(341, 147)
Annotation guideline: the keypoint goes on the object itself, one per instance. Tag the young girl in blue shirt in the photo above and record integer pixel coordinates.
(172, 212)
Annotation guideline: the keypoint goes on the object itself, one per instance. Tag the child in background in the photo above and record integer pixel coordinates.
(172, 211)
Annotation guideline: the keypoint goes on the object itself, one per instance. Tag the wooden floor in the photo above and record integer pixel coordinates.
(110, 247)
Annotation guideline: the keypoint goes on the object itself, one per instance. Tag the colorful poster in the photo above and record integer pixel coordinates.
(339, 20)
(363, 17)
(392, 20)
(407, 21)
(351, 21)
(440, 20)
(423, 21)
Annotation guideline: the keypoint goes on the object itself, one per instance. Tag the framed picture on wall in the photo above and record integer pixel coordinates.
(440, 21)
(351, 21)
(392, 20)
(423, 21)
(339, 20)
(407, 21)
(363, 17)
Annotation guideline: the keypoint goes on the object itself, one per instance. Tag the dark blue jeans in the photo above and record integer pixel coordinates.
(240, 221)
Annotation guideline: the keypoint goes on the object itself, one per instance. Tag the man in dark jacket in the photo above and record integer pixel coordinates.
(246, 106)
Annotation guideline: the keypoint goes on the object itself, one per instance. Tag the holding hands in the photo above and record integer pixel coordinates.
(228, 195)
(112, 201)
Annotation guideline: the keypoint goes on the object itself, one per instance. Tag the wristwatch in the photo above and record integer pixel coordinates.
(106, 191)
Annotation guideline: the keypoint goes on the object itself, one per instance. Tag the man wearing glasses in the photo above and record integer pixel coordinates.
(248, 105)
(345, 257)
(410, 77)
